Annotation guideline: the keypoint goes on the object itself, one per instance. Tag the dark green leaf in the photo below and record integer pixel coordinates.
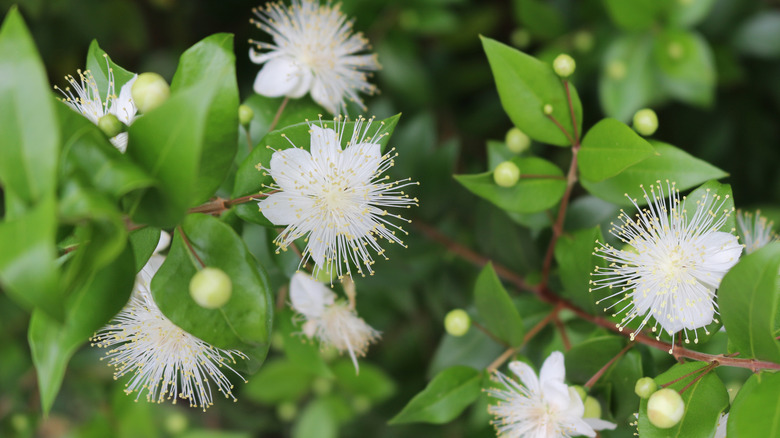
(748, 300)
(585, 359)
(540, 18)
(265, 109)
(687, 66)
(755, 411)
(609, 148)
(760, 35)
(299, 349)
(496, 309)
(627, 84)
(372, 382)
(689, 13)
(278, 381)
(574, 255)
(633, 15)
(525, 85)
(445, 397)
(144, 241)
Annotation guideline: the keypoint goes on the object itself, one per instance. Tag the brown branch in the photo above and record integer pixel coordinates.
(558, 124)
(278, 114)
(571, 110)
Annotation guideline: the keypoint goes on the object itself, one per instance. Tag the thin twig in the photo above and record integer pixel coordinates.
(592, 381)
(562, 331)
(489, 334)
(705, 371)
(528, 336)
(278, 114)
(558, 124)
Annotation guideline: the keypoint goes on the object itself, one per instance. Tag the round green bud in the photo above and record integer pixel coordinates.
(616, 70)
(592, 408)
(564, 65)
(645, 387)
(322, 386)
(149, 91)
(110, 125)
(645, 122)
(175, 423)
(287, 411)
(20, 423)
(211, 288)
(457, 322)
(581, 391)
(583, 41)
(361, 404)
(665, 408)
(517, 141)
(547, 109)
(675, 50)
(245, 115)
(520, 38)
(506, 174)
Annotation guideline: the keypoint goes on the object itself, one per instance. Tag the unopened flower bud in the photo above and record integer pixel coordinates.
(322, 386)
(245, 115)
(645, 387)
(175, 423)
(592, 408)
(211, 288)
(645, 122)
(287, 411)
(149, 91)
(517, 141)
(506, 174)
(110, 125)
(665, 408)
(361, 404)
(520, 38)
(457, 322)
(564, 65)
(583, 41)
(616, 70)
(581, 391)
(675, 50)
(547, 109)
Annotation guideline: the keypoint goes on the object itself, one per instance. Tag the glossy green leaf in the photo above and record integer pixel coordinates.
(445, 397)
(372, 382)
(316, 420)
(298, 348)
(755, 411)
(265, 109)
(575, 259)
(279, 380)
(102, 66)
(748, 301)
(244, 323)
(496, 309)
(609, 148)
(759, 35)
(704, 400)
(525, 85)
(29, 142)
(669, 163)
(144, 241)
(722, 198)
(90, 307)
(627, 83)
(540, 187)
(633, 15)
(687, 66)
(585, 359)
(689, 13)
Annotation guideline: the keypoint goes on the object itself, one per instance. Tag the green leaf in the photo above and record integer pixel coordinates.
(540, 18)
(755, 411)
(210, 64)
(687, 66)
(102, 66)
(627, 83)
(53, 343)
(759, 35)
(609, 148)
(244, 323)
(445, 397)
(279, 380)
(29, 142)
(372, 382)
(540, 189)
(704, 400)
(748, 300)
(585, 359)
(266, 108)
(316, 420)
(498, 313)
(689, 13)
(300, 350)
(575, 259)
(723, 202)
(525, 85)
(633, 15)
(250, 180)
(144, 241)
(669, 163)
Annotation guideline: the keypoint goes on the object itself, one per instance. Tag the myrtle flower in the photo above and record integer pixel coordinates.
(336, 197)
(672, 264)
(720, 432)
(540, 407)
(85, 98)
(164, 360)
(334, 322)
(755, 230)
(313, 51)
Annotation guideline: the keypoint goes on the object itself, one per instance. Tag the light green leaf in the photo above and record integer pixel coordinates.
(687, 66)
(627, 83)
(265, 109)
(585, 359)
(29, 142)
(755, 411)
(689, 13)
(748, 300)
(299, 349)
(575, 259)
(525, 85)
(633, 15)
(316, 420)
(496, 309)
(279, 380)
(609, 148)
(372, 382)
(541, 187)
(759, 35)
(445, 397)
(704, 400)
(99, 64)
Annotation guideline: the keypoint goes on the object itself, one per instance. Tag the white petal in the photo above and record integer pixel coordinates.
(165, 240)
(279, 77)
(720, 432)
(309, 297)
(292, 170)
(325, 147)
(120, 141)
(123, 107)
(361, 162)
(260, 57)
(599, 424)
(304, 84)
(144, 278)
(526, 375)
(553, 368)
(318, 247)
(556, 394)
(577, 426)
(576, 406)
(286, 208)
(324, 98)
(723, 251)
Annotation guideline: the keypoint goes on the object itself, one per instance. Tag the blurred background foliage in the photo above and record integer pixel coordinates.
(710, 68)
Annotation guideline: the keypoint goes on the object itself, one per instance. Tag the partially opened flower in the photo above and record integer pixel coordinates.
(673, 263)
(755, 230)
(334, 322)
(163, 360)
(336, 198)
(313, 51)
(85, 97)
(540, 407)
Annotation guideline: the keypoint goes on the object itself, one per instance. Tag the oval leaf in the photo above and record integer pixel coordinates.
(755, 411)
(445, 397)
(628, 83)
(609, 148)
(496, 308)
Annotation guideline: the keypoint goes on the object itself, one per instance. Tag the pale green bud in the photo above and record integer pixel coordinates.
(547, 109)
(110, 125)
(211, 288)
(457, 322)
(506, 174)
(581, 391)
(583, 41)
(592, 408)
(675, 50)
(616, 70)
(645, 122)
(517, 141)
(287, 411)
(149, 91)
(665, 408)
(175, 423)
(322, 386)
(645, 387)
(564, 65)
(520, 38)
(245, 115)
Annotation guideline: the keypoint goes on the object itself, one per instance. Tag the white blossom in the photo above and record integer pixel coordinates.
(755, 230)
(540, 407)
(720, 432)
(313, 51)
(334, 322)
(336, 198)
(672, 264)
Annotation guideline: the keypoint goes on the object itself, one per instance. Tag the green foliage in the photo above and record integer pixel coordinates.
(755, 411)
(575, 258)
(609, 148)
(445, 397)
(496, 309)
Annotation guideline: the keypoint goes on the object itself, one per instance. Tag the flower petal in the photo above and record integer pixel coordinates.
(526, 375)
(285, 208)
(325, 149)
(361, 162)
(556, 394)
(325, 97)
(308, 296)
(260, 57)
(553, 368)
(599, 424)
(123, 106)
(723, 251)
(293, 170)
(279, 77)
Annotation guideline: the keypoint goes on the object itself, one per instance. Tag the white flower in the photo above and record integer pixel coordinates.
(87, 101)
(720, 432)
(674, 264)
(543, 407)
(334, 323)
(336, 198)
(313, 51)
(164, 360)
(755, 230)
